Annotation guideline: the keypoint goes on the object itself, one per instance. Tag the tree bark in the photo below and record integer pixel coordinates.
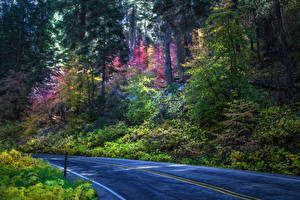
(132, 30)
(286, 58)
(180, 54)
(251, 44)
(93, 89)
(168, 68)
(258, 44)
(103, 83)
(82, 19)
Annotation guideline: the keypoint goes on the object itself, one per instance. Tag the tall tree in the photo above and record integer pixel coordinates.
(286, 59)
(27, 44)
(27, 51)
(181, 18)
(102, 39)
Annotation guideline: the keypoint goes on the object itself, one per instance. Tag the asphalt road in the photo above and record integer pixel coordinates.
(141, 180)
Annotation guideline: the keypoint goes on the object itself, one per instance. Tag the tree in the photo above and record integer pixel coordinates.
(96, 34)
(27, 44)
(277, 38)
(219, 65)
(179, 18)
(287, 60)
(12, 96)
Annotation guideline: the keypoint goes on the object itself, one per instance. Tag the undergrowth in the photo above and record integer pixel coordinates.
(26, 178)
(248, 137)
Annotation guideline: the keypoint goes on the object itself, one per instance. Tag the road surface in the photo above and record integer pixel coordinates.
(120, 179)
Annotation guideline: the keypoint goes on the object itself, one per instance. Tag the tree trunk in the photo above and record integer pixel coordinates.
(258, 44)
(286, 58)
(168, 68)
(132, 30)
(103, 83)
(180, 54)
(89, 96)
(82, 20)
(20, 49)
(93, 89)
(251, 44)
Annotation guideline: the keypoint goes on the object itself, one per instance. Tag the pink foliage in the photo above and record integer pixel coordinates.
(23, 141)
(139, 58)
(148, 60)
(46, 95)
(156, 63)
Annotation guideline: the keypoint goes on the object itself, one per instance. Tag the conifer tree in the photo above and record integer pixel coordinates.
(93, 28)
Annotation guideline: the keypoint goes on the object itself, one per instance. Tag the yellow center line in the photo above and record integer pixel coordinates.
(197, 183)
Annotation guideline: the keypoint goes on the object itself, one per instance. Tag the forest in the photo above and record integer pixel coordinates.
(201, 82)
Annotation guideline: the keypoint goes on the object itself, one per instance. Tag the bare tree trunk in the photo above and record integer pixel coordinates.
(103, 83)
(251, 44)
(132, 30)
(258, 44)
(82, 20)
(20, 49)
(89, 95)
(286, 59)
(168, 68)
(180, 54)
(93, 89)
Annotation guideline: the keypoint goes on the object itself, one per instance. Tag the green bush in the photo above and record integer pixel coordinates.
(168, 106)
(22, 177)
(141, 104)
(248, 137)
(279, 126)
(235, 131)
(100, 136)
(269, 160)
(10, 129)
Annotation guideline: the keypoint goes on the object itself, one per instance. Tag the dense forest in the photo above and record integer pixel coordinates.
(214, 83)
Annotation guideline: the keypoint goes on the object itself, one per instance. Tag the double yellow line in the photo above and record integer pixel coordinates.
(197, 183)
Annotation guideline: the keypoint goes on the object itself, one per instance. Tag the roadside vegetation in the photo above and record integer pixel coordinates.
(23, 177)
(213, 83)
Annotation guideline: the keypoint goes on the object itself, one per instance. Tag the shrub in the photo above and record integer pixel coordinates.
(279, 126)
(235, 131)
(10, 129)
(270, 159)
(168, 106)
(141, 103)
(218, 65)
(22, 177)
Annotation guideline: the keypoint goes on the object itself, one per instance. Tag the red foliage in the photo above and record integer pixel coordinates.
(156, 57)
(44, 98)
(146, 61)
(139, 58)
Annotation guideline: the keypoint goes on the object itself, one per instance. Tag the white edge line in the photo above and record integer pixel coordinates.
(99, 184)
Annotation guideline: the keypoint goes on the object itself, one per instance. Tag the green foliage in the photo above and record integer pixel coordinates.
(235, 131)
(219, 65)
(279, 126)
(12, 96)
(9, 132)
(32, 124)
(74, 87)
(26, 35)
(10, 129)
(23, 177)
(258, 139)
(142, 103)
(117, 107)
(99, 137)
(270, 159)
(168, 106)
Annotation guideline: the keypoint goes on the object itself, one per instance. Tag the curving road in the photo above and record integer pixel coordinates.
(141, 180)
